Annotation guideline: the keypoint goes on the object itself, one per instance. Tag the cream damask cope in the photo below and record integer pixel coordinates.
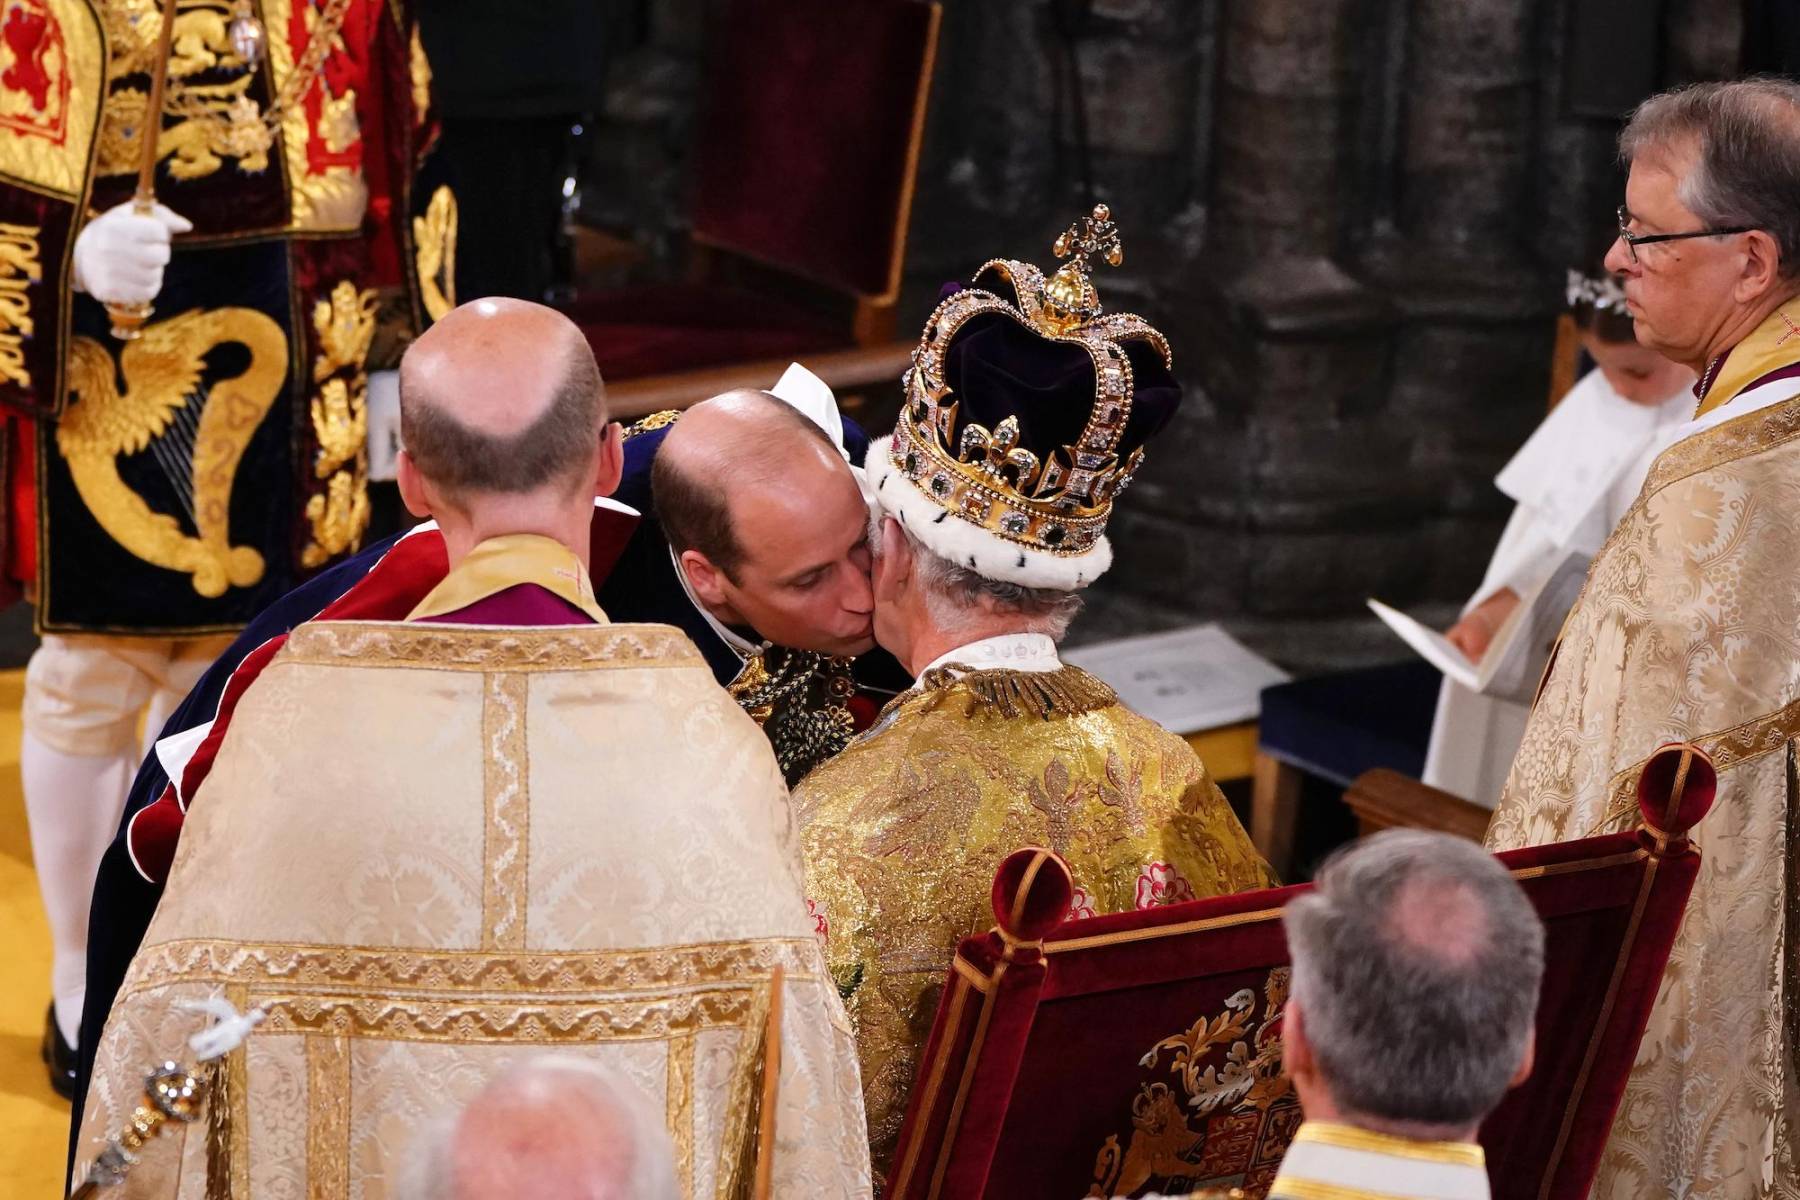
(431, 851)
(1688, 629)
(904, 829)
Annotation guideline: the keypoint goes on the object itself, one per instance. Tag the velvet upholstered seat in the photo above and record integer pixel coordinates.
(1141, 1051)
(807, 142)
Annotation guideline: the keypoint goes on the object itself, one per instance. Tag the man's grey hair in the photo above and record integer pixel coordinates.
(957, 597)
(535, 1096)
(1747, 136)
(1417, 961)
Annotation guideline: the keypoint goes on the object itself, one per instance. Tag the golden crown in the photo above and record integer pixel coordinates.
(1059, 503)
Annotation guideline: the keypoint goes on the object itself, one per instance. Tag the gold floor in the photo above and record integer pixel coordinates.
(34, 1121)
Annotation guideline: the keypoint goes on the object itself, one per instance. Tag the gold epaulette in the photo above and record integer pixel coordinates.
(651, 423)
(1066, 691)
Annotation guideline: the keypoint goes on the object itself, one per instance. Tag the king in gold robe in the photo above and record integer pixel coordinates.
(1688, 629)
(903, 832)
(1026, 413)
(430, 849)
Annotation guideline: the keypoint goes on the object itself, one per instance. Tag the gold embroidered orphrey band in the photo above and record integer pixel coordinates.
(329, 995)
(509, 649)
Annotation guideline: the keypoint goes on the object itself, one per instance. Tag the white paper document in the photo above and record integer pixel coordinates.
(1186, 680)
(1520, 648)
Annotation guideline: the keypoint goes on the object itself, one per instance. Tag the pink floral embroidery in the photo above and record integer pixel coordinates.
(821, 926)
(1081, 905)
(1159, 883)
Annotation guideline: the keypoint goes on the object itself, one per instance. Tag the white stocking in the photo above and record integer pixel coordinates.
(73, 803)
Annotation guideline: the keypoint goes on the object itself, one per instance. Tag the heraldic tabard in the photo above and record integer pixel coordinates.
(180, 482)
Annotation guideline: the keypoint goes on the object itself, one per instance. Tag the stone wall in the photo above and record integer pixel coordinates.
(1351, 217)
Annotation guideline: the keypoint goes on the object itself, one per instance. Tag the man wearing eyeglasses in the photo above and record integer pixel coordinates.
(1689, 630)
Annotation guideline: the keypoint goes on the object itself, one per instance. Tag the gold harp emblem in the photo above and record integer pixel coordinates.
(197, 435)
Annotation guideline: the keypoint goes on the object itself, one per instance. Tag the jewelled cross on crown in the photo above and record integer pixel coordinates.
(1069, 297)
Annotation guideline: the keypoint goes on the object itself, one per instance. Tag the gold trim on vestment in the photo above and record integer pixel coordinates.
(507, 802)
(678, 1108)
(638, 1014)
(1348, 1137)
(375, 970)
(327, 1116)
(487, 647)
(1754, 432)
(1727, 748)
(736, 1173)
(227, 1157)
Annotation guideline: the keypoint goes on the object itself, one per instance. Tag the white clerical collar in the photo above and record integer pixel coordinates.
(1352, 1161)
(737, 644)
(1032, 652)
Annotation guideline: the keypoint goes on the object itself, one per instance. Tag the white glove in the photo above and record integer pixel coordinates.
(120, 254)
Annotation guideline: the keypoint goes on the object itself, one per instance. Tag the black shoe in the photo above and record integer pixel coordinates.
(59, 1057)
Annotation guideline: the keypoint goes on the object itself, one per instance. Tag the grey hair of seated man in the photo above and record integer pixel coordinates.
(1417, 962)
(959, 600)
(551, 1128)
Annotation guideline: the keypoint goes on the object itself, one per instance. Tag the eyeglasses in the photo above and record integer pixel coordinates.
(1634, 240)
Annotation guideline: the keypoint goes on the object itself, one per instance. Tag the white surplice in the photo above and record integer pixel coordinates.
(1571, 482)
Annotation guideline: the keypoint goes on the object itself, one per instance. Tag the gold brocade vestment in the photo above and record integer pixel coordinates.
(1688, 629)
(904, 829)
(433, 850)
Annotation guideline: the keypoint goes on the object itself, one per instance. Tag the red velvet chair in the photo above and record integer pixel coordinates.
(1141, 1051)
(807, 145)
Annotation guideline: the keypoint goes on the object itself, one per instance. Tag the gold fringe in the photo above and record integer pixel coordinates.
(1066, 691)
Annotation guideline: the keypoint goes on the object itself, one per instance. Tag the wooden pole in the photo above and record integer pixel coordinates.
(128, 319)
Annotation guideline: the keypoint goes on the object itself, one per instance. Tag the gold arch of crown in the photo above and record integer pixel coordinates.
(1058, 505)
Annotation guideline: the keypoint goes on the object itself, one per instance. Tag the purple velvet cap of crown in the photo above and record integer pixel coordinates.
(996, 368)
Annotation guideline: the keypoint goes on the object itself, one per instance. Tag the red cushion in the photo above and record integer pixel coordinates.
(802, 158)
(658, 329)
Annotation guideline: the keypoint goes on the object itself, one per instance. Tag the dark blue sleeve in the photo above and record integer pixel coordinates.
(856, 441)
(123, 901)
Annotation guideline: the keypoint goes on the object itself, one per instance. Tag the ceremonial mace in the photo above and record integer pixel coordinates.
(171, 1093)
(246, 36)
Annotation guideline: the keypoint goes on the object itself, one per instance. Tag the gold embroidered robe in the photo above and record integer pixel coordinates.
(431, 850)
(904, 829)
(1688, 629)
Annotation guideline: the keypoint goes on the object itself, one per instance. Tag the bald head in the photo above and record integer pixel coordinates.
(553, 1129)
(501, 396)
(733, 444)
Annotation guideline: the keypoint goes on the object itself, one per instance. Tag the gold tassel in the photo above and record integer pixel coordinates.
(1066, 691)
